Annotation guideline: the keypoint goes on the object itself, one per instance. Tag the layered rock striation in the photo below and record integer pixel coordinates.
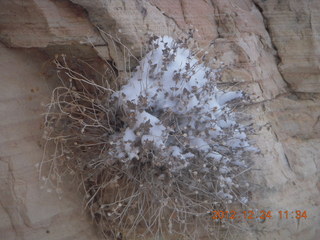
(269, 49)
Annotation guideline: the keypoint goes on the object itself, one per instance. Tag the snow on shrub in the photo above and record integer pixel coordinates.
(158, 155)
(175, 110)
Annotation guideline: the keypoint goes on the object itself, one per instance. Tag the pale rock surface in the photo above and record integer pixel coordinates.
(294, 27)
(269, 49)
(39, 23)
(129, 23)
(186, 14)
(26, 211)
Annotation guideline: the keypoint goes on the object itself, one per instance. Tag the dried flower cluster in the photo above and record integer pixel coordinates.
(157, 155)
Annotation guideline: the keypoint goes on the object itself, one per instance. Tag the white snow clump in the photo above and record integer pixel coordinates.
(176, 117)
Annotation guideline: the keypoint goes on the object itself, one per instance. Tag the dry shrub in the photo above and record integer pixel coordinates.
(135, 187)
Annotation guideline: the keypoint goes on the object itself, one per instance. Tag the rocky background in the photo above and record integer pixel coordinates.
(270, 49)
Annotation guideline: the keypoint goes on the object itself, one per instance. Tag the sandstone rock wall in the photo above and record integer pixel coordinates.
(26, 210)
(270, 49)
(294, 28)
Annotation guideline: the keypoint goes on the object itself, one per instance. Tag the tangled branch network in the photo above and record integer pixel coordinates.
(157, 155)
